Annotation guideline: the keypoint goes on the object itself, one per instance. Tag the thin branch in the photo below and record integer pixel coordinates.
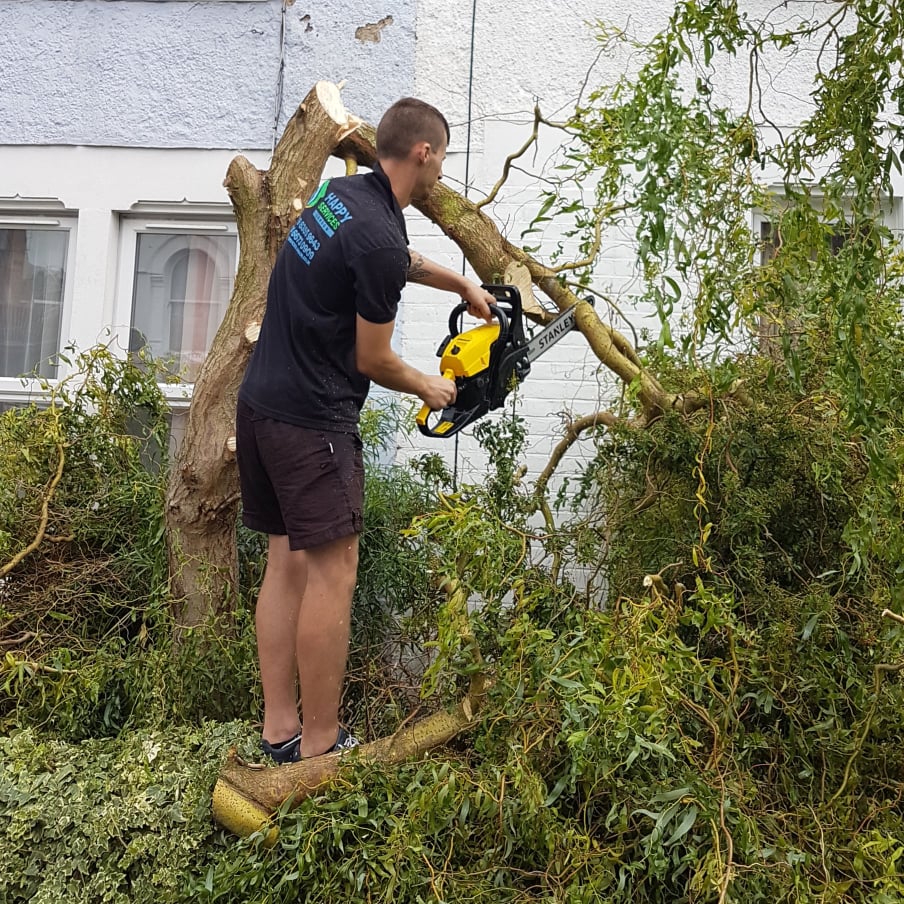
(573, 430)
(34, 668)
(715, 753)
(729, 857)
(878, 671)
(556, 564)
(759, 89)
(511, 158)
(45, 516)
(594, 248)
(17, 639)
(599, 54)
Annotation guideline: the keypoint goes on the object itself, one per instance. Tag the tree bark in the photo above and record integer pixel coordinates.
(203, 495)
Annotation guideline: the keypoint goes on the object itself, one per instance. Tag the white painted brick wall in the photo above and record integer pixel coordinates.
(528, 52)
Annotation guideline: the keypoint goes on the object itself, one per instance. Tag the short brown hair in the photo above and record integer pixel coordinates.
(407, 122)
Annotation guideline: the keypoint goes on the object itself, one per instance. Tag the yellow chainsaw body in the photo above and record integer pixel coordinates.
(469, 352)
(464, 355)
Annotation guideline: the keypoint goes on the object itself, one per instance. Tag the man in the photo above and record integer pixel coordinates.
(331, 309)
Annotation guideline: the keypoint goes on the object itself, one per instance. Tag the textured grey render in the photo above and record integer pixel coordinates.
(166, 73)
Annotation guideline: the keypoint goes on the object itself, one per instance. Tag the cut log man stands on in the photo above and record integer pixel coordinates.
(326, 333)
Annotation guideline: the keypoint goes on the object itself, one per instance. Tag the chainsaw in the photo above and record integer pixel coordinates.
(487, 362)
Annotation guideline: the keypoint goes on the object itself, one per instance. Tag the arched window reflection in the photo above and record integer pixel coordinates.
(181, 289)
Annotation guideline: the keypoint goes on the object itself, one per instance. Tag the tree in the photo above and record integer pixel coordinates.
(662, 156)
(202, 498)
(727, 726)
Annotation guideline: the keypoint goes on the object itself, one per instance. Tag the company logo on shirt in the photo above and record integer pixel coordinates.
(318, 195)
(328, 212)
(331, 213)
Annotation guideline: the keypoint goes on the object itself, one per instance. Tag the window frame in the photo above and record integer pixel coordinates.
(892, 210)
(189, 219)
(49, 216)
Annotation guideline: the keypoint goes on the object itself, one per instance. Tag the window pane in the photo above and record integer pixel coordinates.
(181, 289)
(32, 277)
(770, 242)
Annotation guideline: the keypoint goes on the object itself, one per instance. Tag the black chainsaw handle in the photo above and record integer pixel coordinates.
(450, 420)
(507, 295)
(455, 327)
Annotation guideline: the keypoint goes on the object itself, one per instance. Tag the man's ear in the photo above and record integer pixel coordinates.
(422, 151)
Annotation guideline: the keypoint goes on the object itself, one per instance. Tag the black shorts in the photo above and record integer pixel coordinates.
(304, 484)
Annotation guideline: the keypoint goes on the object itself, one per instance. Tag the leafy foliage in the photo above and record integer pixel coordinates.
(95, 581)
(693, 695)
(105, 821)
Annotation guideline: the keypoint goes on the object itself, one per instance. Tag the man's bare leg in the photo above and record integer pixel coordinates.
(323, 632)
(276, 621)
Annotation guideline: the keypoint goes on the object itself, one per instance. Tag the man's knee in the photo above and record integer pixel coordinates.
(286, 562)
(338, 558)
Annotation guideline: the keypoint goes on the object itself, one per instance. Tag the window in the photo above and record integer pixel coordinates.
(773, 332)
(35, 271)
(835, 238)
(178, 280)
(771, 241)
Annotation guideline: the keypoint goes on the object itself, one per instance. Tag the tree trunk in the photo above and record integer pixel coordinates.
(203, 495)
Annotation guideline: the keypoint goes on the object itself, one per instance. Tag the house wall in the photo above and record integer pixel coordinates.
(109, 107)
(173, 74)
(113, 108)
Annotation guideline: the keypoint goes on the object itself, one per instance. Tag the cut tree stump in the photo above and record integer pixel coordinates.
(203, 492)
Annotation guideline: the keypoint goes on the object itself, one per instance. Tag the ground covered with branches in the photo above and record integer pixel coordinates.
(725, 730)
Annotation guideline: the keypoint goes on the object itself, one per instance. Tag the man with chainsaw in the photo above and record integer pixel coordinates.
(331, 309)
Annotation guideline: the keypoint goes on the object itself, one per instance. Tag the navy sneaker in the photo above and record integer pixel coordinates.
(286, 752)
(344, 742)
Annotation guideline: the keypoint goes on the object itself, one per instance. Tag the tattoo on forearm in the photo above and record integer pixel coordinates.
(417, 269)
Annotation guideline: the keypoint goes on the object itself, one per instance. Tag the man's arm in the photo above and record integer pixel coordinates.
(375, 359)
(428, 273)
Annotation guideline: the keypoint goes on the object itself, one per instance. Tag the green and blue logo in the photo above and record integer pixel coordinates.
(317, 197)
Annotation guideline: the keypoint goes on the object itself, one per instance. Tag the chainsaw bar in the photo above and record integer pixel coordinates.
(550, 335)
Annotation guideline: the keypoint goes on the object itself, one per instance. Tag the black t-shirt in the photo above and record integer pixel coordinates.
(346, 255)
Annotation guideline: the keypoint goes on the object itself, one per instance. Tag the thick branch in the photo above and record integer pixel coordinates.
(311, 135)
(246, 797)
